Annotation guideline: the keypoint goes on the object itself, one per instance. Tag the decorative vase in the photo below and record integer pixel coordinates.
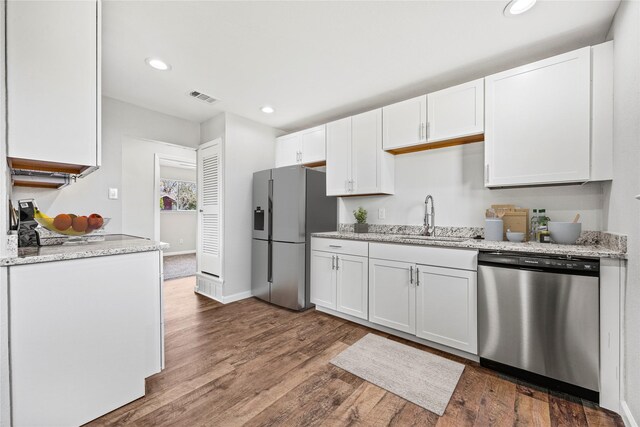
(360, 228)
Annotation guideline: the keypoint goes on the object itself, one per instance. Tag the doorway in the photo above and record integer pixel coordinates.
(177, 214)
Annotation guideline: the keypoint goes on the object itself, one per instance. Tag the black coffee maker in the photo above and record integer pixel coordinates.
(27, 234)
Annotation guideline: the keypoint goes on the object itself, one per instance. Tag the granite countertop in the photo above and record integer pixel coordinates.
(584, 250)
(114, 244)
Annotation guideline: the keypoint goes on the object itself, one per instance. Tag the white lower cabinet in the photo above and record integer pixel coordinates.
(446, 307)
(352, 285)
(425, 291)
(339, 280)
(85, 334)
(323, 279)
(392, 295)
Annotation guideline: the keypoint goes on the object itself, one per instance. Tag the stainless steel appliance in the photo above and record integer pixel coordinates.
(27, 234)
(538, 318)
(289, 204)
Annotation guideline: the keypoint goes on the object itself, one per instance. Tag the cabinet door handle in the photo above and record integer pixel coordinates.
(428, 129)
(417, 276)
(411, 274)
(352, 185)
(486, 173)
(333, 262)
(337, 262)
(335, 246)
(346, 186)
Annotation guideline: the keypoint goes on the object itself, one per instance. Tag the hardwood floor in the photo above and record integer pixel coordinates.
(250, 363)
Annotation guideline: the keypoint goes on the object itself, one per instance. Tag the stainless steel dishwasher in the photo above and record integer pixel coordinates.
(538, 319)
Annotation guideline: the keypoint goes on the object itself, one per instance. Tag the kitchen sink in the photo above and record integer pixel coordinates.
(434, 238)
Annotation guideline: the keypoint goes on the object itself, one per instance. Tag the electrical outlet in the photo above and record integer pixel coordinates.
(181, 241)
(113, 193)
(381, 213)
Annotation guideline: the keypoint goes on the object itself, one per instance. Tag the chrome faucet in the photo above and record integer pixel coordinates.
(429, 217)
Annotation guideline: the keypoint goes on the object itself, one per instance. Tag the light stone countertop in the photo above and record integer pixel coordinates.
(594, 251)
(116, 244)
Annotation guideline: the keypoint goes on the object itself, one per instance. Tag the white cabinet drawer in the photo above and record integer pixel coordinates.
(464, 259)
(339, 246)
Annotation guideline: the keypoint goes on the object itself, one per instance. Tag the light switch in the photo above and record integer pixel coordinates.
(381, 213)
(113, 193)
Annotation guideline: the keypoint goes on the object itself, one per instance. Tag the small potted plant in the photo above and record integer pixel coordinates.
(361, 225)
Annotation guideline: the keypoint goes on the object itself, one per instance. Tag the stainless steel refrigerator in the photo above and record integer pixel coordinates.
(289, 204)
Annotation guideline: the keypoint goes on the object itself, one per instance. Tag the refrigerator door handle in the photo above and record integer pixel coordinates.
(269, 263)
(270, 212)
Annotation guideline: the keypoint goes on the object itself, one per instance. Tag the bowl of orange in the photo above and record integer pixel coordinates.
(71, 224)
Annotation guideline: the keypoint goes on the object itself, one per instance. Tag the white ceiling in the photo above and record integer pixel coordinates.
(318, 61)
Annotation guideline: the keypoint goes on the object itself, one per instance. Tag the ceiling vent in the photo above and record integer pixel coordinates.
(202, 97)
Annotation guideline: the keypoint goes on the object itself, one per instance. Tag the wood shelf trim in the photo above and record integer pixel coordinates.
(315, 164)
(439, 144)
(44, 166)
(32, 184)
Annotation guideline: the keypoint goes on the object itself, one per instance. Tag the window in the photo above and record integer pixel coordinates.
(177, 195)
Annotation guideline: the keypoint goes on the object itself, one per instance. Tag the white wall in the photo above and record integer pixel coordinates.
(139, 186)
(454, 176)
(4, 223)
(622, 211)
(247, 147)
(120, 120)
(179, 228)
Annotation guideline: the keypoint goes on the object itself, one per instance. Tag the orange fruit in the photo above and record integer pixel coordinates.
(62, 222)
(80, 223)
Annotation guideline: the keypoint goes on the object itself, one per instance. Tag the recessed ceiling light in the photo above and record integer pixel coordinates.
(516, 7)
(268, 109)
(158, 64)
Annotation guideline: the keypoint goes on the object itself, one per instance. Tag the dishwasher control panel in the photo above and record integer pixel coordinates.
(516, 260)
(562, 264)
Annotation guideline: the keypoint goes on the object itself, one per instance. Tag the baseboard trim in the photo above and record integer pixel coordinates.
(236, 297)
(178, 253)
(227, 299)
(627, 416)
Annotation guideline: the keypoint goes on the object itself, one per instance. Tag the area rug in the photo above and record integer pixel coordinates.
(176, 266)
(415, 375)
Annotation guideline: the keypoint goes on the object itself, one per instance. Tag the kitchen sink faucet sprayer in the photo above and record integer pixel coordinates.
(429, 217)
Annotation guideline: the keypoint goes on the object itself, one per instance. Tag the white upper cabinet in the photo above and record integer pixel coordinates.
(314, 145)
(366, 134)
(538, 122)
(53, 85)
(405, 123)
(338, 157)
(288, 150)
(456, 112)
(306, 147)
(356, 163)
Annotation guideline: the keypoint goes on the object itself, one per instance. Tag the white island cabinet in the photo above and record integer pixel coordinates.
(84, 335)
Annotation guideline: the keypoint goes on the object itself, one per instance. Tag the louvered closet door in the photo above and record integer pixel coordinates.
(210, 208)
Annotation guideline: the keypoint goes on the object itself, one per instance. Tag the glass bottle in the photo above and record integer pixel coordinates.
(533, 225)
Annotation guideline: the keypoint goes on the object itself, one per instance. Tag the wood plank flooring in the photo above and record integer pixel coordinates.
(250, 363)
